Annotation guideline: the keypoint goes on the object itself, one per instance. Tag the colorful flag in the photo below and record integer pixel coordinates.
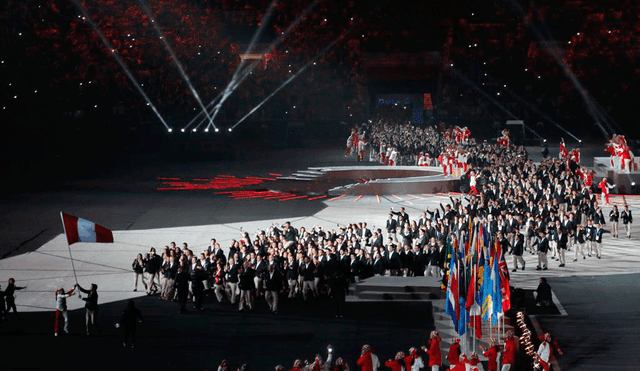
(463, 320)
(475, 319)
(496, 293)
(82, 230)
(487, 294)
(504, 284)
(453, 305)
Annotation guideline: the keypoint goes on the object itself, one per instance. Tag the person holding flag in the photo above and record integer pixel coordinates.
(511, 347)
(61, 309)
(454, 353)
(434, 352)
(91, 305)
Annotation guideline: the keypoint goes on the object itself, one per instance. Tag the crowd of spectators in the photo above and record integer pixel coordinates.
(50, 48)
(521, 48)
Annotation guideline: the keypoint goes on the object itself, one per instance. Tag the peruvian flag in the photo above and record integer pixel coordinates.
(504, 284)
(82, 230)
(453, 295)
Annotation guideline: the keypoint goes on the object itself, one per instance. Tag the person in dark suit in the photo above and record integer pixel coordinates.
(378, 265)
(393, 262)
(196, 275)
(543, 248)
(273, 284)
(562, 239)
(91, 306)
(261, 269)
(339, 287)
(517, 250)
(391, 225)
(376, 240)
(307, 271)
(11, 300)
(169, 272)
(130, 316)
(417, 262)
(246, 284)
(182, 286)
(355, 269)
(290, 267)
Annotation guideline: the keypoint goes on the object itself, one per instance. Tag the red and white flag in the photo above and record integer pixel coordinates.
(82, 230)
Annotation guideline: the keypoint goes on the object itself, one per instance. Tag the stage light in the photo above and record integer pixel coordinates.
(485, 63)
(230, 129)
(194, 130)
(485, 74)
(294, 107)
(326, 19)
(216, 130)
(579, 140)
(286, 112)
(526, 69)
(539, 77)
(451, 65)
(498, 93)
(182, 130)
(15, 97)
(633, 184)
(505, 85)
(80, 84)
(198, 53)
(544, 141)
(35, 91)
(569, 42)
(170, 130)
(96, 106)
(206, 130)
(469, 45)
(475, 44)
(129, 35)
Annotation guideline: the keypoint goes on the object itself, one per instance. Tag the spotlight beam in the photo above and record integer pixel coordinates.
(175, 60)
(235, 81)
(263, 23)
(534, 108)
(106, 43)
(459, 75)
(326, 49)
(589, 102)
(201, 112)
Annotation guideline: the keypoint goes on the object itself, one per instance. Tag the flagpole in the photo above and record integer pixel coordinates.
(64, 229)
